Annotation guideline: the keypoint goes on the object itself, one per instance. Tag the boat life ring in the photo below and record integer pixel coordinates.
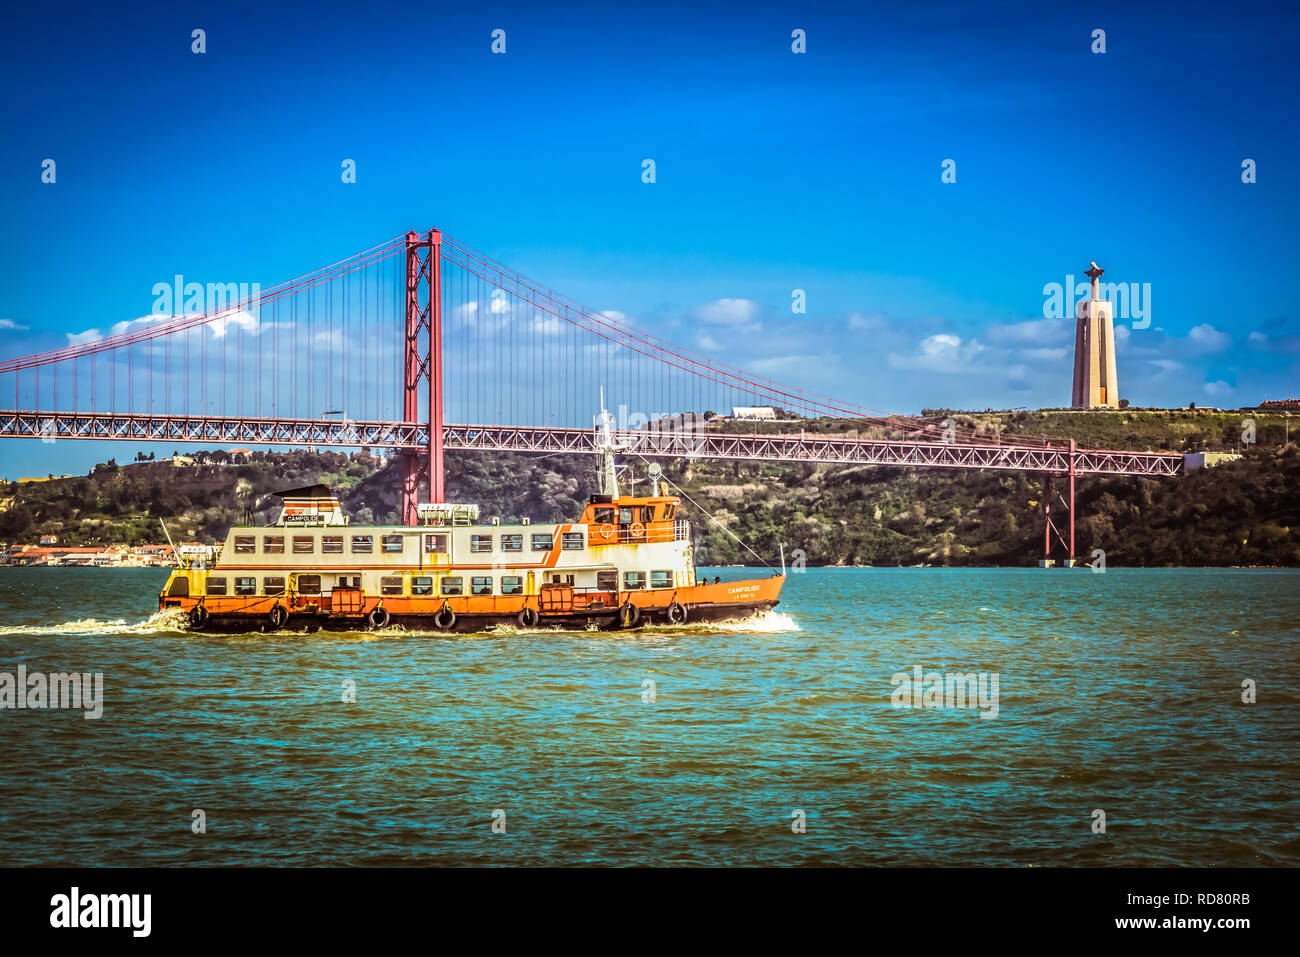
(605, 531)
(527, 618)
(637, 530)
(377, 617)
(677, 614)
(277, 616)
(199, 616)
(445, 619)
(629, 615)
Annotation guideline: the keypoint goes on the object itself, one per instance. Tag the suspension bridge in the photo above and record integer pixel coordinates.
(422, 345)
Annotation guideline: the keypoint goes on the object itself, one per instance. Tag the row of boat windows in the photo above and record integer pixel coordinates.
(633, 513)
(434, 542)
(423, 585)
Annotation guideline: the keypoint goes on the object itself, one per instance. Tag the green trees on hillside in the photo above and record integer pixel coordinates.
(1242, 512)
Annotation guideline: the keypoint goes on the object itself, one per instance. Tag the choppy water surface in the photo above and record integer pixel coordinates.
(1119, 691)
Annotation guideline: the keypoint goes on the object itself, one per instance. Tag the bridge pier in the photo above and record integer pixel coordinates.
(1058, 535)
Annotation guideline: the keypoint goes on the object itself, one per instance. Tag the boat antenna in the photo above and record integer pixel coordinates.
(175, 554)
(606, 446)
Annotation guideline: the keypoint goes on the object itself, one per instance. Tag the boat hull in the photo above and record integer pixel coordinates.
(723, 601)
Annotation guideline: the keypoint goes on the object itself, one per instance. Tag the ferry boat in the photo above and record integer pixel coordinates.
(627, 562)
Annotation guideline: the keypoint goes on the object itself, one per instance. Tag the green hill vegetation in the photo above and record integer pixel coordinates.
(1245, 512)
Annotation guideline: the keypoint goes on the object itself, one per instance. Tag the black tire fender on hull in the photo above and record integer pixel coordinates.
(629, 616)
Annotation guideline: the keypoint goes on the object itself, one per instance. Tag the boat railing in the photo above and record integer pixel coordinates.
(679, 531)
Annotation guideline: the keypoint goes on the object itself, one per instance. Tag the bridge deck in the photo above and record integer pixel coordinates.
(50, 426)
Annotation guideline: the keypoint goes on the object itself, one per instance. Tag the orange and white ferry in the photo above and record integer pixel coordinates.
(626, 562)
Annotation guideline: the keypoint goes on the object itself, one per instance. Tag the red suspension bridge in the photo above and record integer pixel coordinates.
(415, 334)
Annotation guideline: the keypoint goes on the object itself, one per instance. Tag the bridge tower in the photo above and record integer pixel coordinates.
(423, 363)
(1095, 385)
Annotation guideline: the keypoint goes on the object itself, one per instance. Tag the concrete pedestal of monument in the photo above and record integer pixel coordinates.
(1095, 383)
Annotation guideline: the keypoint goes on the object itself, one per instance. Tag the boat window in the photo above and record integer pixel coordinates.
(273, 586)
(273, 544)
(480, 585)
(391, 543)
(670, 512)
(363, 544)
(453, 586)
(435, 543)
(180, 587)
(422, 585)
(512, 543)
(308, 584)
(331, 544)
(303, 544)
(345, 581)
(603, 516)
(572, 540)
(245, 544)
(542, 541)
(607, 581)
(632, 580)
(661, 579)
(245, 586)
(558, 579)
(390, 585)
(480, 543)
(512, 585)
(216, 586)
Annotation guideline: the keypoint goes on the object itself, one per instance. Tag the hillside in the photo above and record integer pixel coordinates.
(1240, 513)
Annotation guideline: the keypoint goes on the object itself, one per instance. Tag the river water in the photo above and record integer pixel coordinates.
(1118, 692)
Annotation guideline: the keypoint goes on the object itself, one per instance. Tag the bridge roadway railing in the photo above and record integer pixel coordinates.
(828, 449)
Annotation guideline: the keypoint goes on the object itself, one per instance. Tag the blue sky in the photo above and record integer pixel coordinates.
(775, 171)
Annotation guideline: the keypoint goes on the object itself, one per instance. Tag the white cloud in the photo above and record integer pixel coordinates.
(1038, 332)
(1045, 355)
(942, 352)
(8, 324)
(1166, 365)
(1218, 388)
(219, 326)
(707, 341)
(241, 319)
(727, 312)
(869, 321)
(1208, 339)
(546, 325)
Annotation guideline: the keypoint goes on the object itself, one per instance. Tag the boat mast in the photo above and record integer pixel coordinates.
(606, 446)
